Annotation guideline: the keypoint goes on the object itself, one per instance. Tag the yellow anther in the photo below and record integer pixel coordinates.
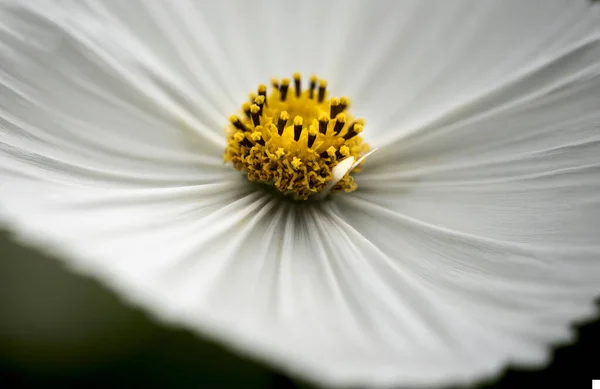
(323, 123)
(353, 131)
(297, 127)
(283, 89)
(255, 113)
(322, 90)
(340, 122)
(281, 123)
(297, 85)
(295, 156)
(335, 107)
(246, 107)
(331, 151)
(237, 123)
(312, 136)
(311, 87)
(284, 116)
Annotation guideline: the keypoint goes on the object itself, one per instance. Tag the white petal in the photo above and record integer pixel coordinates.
(484, 302)
(493, 211)
(422, 60)
(301, 288)
(240, 266)
(83, 100)
(224, 49)
(361, 159)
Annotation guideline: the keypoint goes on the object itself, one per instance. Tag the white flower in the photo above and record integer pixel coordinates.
(471, 242)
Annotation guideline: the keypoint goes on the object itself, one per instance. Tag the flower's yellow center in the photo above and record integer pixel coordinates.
(293, 138)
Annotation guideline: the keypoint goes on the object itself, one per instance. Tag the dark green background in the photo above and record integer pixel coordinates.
(61, 330)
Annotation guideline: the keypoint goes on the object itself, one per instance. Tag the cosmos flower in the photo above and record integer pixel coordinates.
(467, 242)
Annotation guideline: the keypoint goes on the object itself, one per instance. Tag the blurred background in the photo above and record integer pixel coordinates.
(59, 330)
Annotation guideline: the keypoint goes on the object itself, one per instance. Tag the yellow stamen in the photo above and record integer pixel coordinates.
(312, 86)
(344, 102)
(295, 156)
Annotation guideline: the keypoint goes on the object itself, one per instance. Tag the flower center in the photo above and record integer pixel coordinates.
(293, 139)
